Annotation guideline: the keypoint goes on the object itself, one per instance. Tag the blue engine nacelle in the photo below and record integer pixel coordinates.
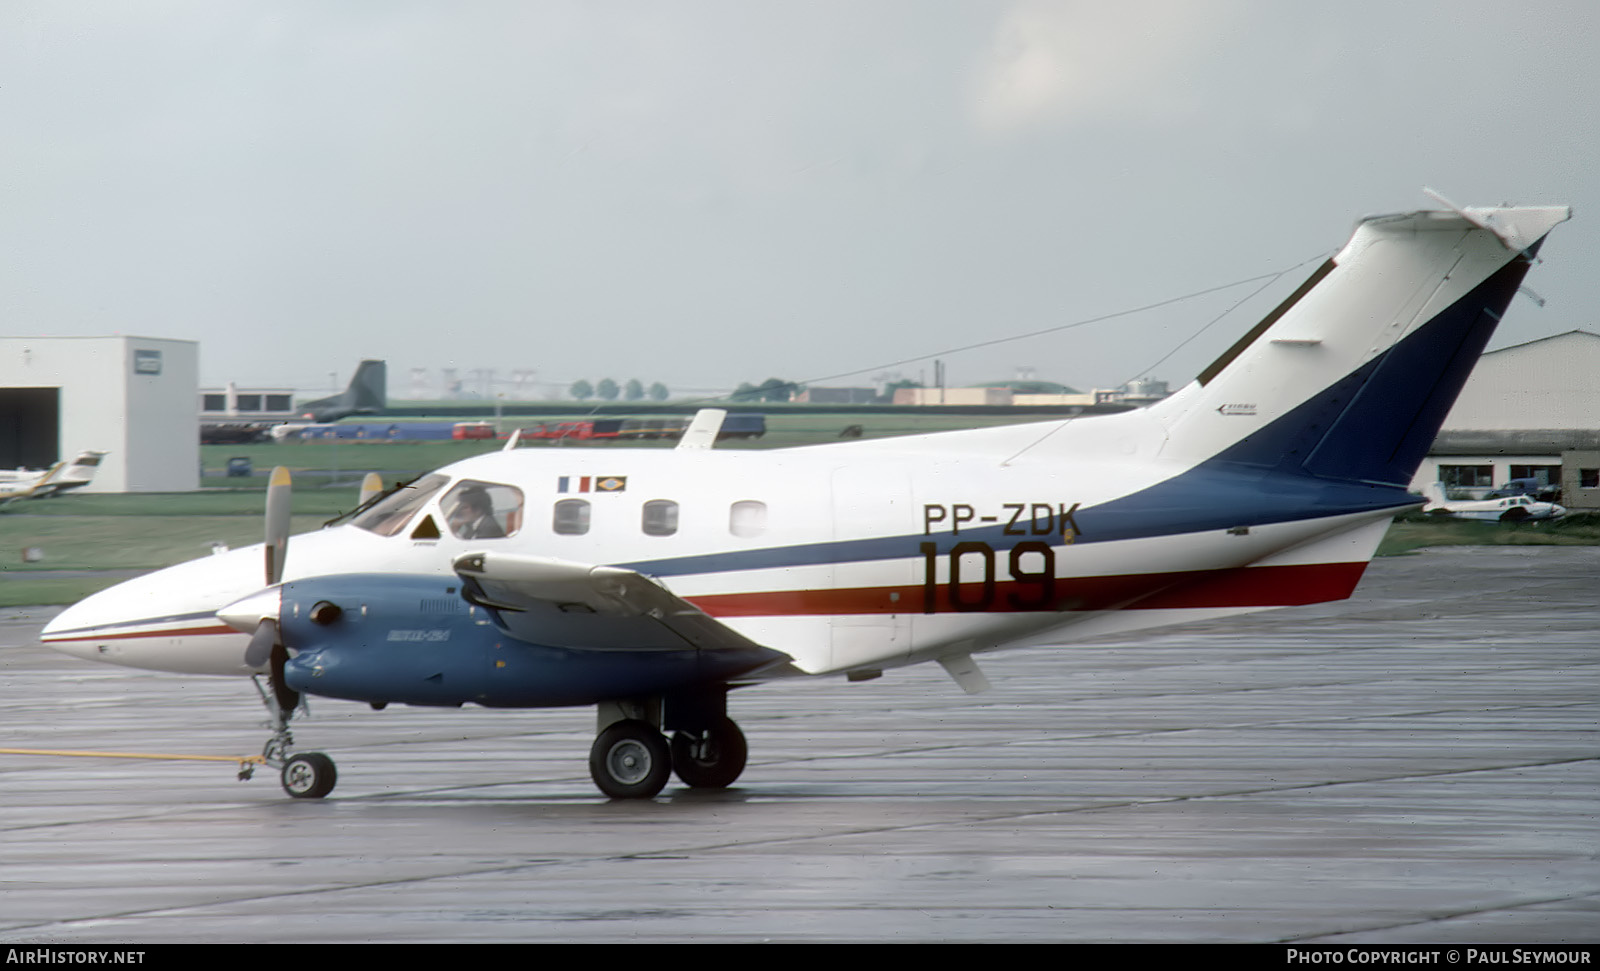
(415, 640)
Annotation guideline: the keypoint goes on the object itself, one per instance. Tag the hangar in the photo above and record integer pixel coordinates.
(1530, 411)
(132, 397)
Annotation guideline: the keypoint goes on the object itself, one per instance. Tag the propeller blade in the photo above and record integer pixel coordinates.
(288, 699)
(371, 486)
(261, 643)
(278, 496)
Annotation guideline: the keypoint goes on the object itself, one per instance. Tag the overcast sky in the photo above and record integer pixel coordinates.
(705, 193)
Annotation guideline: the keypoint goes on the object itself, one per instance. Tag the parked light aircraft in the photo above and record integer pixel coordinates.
(1506, 509)
(59, 478)
(648, 583)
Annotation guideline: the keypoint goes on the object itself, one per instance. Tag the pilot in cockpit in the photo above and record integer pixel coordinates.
(473, 516)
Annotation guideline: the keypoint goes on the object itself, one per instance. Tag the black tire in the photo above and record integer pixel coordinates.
(309, 775)
(1515, 514)
(630, 760)
(714, 763)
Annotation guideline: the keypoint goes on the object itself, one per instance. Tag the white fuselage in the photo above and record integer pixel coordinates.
(823, 553)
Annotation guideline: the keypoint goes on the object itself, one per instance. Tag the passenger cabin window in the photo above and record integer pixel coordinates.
(571, 517)
(482, 510)
(747, 518)
(660, 517)
(389, 515)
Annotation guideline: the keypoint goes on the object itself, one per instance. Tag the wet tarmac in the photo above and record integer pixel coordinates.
(1420, 764)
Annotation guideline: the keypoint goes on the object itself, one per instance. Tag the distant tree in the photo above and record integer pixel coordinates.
(889, 389)
(581, 389)
(633, 390)
(776, 389)
(659, 392)
(745, 392)
(607, 389)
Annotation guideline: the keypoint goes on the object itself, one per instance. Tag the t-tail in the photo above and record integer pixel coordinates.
(1351, 377)
(367, 394)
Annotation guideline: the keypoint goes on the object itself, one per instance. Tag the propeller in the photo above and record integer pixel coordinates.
(257, 614)
(371, 488)
(277, 547)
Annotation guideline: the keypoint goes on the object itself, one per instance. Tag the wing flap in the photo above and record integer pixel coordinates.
(598, 607)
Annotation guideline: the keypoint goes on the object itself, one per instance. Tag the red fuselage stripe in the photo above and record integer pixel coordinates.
(1262, 586)
(122, 636)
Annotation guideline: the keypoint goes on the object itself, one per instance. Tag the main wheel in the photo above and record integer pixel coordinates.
(630, 760)
(309, 775)
(1515, 514)
(712, 760)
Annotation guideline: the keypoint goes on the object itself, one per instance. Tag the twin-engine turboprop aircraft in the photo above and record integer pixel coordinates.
(648, 583)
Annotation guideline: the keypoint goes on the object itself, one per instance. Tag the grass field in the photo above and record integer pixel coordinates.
(108, 537)
(346, 461)
(1417, 530)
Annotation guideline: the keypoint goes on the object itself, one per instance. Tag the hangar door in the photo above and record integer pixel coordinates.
(30, 427)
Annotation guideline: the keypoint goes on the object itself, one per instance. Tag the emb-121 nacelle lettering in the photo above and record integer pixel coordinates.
(664, 578)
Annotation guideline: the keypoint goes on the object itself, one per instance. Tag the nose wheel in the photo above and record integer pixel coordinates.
(309, 775)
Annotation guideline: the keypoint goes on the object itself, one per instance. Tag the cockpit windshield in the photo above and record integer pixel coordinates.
(389, 515)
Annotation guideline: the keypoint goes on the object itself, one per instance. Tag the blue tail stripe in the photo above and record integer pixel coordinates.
(1377, 423)
(1388, 428)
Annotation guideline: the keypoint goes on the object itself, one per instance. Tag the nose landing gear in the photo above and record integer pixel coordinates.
(307, 775)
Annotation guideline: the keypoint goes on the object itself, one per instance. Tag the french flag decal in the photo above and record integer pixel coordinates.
(572, 483)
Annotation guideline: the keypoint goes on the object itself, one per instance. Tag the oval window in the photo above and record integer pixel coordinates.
(747, 517)
(660, 517)
(571, 517)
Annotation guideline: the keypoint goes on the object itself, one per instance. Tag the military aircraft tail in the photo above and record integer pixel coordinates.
(367, 394)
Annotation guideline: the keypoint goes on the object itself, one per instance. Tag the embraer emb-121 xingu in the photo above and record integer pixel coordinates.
(649, 583)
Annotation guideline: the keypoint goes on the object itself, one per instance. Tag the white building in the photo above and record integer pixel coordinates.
(132, 397)
(1523, 409)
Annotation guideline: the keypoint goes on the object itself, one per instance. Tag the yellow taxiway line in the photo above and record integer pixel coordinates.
(240, 759)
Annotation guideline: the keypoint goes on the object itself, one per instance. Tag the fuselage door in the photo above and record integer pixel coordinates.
(873, 585)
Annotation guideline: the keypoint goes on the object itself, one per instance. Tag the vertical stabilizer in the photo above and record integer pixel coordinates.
(367, 394)
(1351, 377)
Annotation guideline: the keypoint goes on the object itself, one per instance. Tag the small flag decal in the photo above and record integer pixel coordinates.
(585, 483)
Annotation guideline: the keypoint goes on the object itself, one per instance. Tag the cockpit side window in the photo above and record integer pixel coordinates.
(389, 515)
(482, 510)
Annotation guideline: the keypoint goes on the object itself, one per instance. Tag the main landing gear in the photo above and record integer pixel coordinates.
(631, 759)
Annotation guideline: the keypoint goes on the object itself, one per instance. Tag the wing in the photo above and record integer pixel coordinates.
(580, 605)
